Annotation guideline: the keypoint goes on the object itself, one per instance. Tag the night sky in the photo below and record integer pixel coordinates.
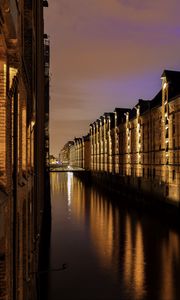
(106, 54)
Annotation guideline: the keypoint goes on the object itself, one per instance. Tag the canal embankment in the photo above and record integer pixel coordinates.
(132, 193)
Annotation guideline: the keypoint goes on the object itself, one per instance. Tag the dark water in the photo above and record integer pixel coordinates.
(110, 252)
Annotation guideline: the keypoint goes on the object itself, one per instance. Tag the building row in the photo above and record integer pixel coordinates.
(24, 143)
(141, 145)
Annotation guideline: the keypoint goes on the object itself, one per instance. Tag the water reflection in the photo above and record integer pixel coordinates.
(138, 274)
(79, 202)
(69, 190)
(101, 228)
(129, 254)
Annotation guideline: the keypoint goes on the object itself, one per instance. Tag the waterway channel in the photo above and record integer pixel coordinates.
(100, 249)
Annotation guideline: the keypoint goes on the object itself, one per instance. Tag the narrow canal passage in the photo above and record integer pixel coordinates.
(110, 252)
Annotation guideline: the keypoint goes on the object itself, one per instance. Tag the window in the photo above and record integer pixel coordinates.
(167, 190)
(174, 144)
(167, 147)
(143, 172)
(148, 172)
(174, 129)
(167, 133)
(173, 175)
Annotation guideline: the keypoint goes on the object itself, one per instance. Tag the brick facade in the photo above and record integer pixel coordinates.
(22, 127)
(141, 145)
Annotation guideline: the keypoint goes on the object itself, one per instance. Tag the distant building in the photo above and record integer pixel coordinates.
(77, 153)
(64, 155)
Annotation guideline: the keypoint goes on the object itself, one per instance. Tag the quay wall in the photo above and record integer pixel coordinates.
(135, 192)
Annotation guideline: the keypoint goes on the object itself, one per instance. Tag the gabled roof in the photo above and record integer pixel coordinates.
(173, 79)
(144, 105)
(132, 113)
(171, 75)
(157, 100)
(86, 137)
(121, 117)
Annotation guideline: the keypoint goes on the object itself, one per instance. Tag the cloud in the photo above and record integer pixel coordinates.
(63, 131)
(107, 53)
(138, 4)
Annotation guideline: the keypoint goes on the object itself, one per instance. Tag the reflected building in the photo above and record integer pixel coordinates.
(102, 229)
(135, 255)
(22, 145)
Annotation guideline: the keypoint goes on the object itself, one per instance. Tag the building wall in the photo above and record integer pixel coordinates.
(86, 154)
(142, 144)
(22, 147)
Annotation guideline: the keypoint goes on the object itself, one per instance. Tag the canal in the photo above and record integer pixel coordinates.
(102, 250)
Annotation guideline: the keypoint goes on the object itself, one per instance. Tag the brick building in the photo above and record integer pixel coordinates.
(64, 155)
(142, 145)
(77, 153)
(22, 145)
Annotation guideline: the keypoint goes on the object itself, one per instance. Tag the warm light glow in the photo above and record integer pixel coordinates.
(170, 256)
(12, 74)
(164, 85)
(128, 258)
(139, 264)
(101, 220)
(32, 124)
(69, 188)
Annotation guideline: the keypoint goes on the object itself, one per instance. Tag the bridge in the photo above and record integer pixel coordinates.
(64, 168)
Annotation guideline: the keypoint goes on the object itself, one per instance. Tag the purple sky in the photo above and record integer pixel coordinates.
(106, 54)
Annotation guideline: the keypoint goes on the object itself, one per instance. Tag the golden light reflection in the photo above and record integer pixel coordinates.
(56, 184)
(101, 222)
(128, 258)
(78, 205)
(69, 188)
(134, 274)
(170, 257)
(139, 276)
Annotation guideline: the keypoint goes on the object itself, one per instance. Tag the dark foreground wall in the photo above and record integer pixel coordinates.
(44, 251)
